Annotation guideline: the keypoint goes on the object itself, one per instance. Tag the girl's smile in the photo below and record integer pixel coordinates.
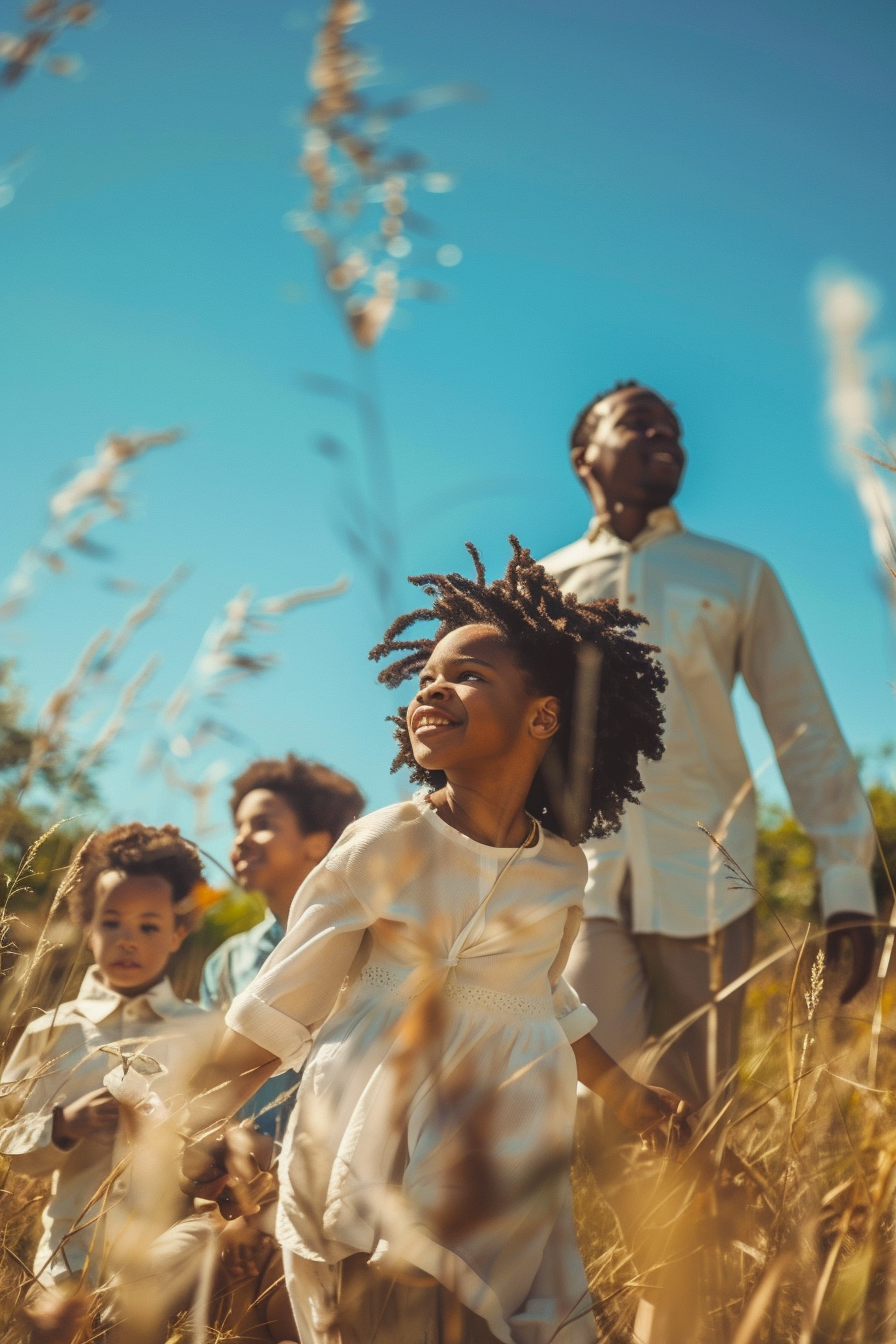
(427, 720)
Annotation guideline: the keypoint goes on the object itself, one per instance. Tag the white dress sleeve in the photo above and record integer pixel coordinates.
(297, 987)
(576, 1019)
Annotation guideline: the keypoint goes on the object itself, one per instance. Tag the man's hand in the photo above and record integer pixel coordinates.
(851, 934)
(93, 1116)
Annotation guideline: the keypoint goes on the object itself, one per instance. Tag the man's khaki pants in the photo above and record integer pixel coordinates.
(640, 985)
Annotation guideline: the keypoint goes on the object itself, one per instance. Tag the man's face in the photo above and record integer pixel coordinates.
(634, 450)
(270, 852)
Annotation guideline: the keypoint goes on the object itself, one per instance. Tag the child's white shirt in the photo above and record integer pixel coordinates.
(97, 1196)
(427, 969)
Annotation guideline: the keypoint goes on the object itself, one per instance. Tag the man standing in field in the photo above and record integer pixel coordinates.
(663, 928)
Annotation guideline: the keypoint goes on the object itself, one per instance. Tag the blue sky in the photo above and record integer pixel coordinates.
(645, 189)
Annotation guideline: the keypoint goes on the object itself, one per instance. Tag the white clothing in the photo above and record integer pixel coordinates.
(58, 1059)
(717, 612)
(449, 1045)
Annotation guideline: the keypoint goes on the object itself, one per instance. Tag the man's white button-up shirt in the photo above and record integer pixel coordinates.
(717, 612)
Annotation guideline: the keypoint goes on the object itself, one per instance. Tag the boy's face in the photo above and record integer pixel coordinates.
(134, 930)
(270, 852)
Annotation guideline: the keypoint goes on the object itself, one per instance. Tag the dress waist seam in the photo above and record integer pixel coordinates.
(382, 982)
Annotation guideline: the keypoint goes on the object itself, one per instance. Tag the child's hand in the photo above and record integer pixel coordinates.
(657, 1116)
(245, 1250)
(225, 1168)
(93, 1116)
(203, 1172)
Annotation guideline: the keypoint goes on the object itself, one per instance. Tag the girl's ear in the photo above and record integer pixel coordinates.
(546, 718)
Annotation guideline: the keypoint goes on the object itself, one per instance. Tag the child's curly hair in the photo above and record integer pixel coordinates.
(138, 851)
(550, 633)
(320, 799)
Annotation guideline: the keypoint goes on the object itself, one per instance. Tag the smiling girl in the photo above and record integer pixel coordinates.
(426, 1168)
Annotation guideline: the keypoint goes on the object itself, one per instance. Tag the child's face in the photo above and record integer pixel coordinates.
(475, 707)
(270, 852)
(134, 930)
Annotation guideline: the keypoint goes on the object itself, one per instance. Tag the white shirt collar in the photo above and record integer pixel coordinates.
(660, 523)
(96, 1001)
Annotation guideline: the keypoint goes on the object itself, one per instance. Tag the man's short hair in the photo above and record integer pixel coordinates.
(321, 799)
(136, 851)
(580, 434)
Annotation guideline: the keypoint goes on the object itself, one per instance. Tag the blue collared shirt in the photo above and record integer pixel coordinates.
(230, 969)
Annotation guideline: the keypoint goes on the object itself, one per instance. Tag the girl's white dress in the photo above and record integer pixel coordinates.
(434, 1121)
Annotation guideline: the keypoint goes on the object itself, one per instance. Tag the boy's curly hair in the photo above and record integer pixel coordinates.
(138, 851)
(584, 653)
(321, 799)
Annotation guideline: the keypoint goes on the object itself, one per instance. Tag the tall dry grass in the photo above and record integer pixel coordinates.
(777, 1223)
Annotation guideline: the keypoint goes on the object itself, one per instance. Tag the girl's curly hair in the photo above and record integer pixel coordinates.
(138, 851)
(584, 653)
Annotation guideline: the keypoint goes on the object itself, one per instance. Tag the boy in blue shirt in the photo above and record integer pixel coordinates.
(288, 814)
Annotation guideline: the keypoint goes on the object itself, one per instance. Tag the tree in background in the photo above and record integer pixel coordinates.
(25, 821)
(785, 858)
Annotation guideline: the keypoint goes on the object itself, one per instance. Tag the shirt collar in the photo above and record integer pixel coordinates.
(660, 523)
(96, 1001)
(270, 930)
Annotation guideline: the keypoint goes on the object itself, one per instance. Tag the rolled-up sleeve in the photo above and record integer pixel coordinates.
(816, 763)
(574, 1017)
(27, 1090)
(297, 987)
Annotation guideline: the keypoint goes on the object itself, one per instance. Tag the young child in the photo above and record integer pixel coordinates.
(433, 1127)
(129, 890)
(287, 815)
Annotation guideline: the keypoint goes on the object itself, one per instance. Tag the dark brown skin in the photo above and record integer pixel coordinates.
(133, 932)
(475, 718)
(270, 851)
(273, 854)
(632, 464)
(633, 461)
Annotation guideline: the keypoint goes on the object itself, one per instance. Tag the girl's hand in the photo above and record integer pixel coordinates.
(203, 1171)
(93, 1116)
(245, 1250)
(653, 1113)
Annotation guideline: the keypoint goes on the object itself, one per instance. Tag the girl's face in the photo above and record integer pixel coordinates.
(475, 706)
(134, 930)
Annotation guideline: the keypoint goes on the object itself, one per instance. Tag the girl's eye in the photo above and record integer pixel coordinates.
(465, 676)
(149, 928)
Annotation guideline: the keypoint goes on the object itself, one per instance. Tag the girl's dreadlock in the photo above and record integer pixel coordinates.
(584, 653)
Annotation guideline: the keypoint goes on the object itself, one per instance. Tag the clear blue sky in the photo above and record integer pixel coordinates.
(647, 190)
